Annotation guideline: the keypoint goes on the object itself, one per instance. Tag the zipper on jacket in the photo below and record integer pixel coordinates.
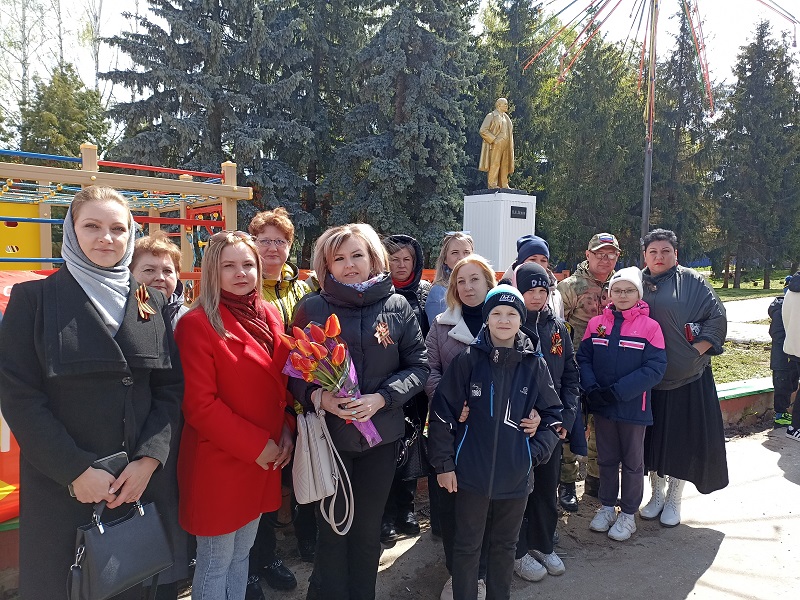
(496, 431)
(461, 443)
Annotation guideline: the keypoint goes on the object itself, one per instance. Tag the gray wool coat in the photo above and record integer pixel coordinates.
(448, 336)
(72, 393)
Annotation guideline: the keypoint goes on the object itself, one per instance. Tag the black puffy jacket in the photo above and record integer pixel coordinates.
(489, 452)
(397, 371)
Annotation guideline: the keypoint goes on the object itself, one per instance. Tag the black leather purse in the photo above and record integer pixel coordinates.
(412, 453)
(113, 557)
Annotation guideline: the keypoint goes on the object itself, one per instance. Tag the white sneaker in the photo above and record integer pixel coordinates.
(447, 590)
(481, 589)
(529, 569)
(551, 562)
(623, 528)
(604, 519)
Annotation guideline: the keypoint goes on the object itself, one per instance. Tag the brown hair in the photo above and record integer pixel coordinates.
(441, 277)
(210, 285)
(278, 218)
(452, 298)
(332, 239)
(158, 244)
(97, 193)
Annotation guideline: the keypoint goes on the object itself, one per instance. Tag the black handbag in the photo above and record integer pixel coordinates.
(412, 454)
(113, 557)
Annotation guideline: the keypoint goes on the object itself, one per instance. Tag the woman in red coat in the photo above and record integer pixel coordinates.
(237, 435)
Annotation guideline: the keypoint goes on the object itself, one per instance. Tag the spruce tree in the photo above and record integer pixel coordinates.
(401, 168)
(219, 83)
(759, 178)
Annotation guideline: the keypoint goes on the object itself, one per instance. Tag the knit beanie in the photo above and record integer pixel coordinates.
(528, 245)
(507, 295)
(531, 275)
(630, 274)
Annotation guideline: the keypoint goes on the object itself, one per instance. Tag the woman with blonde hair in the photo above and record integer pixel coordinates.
(386, 345)
(237, 434)
(455, 246)
(88, 368)
(453, 330)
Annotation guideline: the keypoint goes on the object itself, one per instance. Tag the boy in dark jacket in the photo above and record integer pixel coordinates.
(489, 459)
(785, 372)
(621, 358)
(553, 341)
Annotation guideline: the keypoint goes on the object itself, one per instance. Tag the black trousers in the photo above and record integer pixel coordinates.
(401, 499)
(346, 566)
(784, 382)
(541, 514)
(501, 521)
(445, 509)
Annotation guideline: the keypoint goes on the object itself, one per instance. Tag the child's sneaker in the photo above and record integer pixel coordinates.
(623, 528)
(529, 569)
(552, 562)
(793, 432)
(604, 519)
(783, 419)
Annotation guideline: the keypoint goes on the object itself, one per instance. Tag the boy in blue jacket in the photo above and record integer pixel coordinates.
(489, 459)
(621, 358)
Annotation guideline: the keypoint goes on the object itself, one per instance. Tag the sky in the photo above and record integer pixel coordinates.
(728, 24)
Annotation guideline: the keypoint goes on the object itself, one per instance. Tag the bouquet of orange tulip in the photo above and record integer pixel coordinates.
(318, 355)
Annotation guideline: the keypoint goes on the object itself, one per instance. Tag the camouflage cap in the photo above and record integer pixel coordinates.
(599, 240)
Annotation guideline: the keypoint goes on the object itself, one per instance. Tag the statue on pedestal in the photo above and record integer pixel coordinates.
(497, 152)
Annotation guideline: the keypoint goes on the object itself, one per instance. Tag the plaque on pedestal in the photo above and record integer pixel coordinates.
(495, 219)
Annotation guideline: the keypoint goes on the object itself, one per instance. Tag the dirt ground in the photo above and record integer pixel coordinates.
(740, 542)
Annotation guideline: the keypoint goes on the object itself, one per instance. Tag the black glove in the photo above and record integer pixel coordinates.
(596, 400)
(608, 396)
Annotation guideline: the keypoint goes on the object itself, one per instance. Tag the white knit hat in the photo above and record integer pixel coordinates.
(629, 274)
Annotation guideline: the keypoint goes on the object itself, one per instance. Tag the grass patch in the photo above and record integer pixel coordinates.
(760, 322)
(752, 285)
(741, 361)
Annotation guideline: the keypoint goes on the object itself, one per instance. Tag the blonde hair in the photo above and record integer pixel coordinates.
(158, 244)
(210, 286)
(442, 277)
(329, 243)
(452, 298)
(98, 193)
(278, 218)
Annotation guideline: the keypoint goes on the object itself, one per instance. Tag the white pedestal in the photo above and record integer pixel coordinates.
(495, 221)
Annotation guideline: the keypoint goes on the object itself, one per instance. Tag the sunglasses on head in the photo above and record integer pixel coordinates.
(227, 234)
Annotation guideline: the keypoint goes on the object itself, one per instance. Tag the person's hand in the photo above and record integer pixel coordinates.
(285, 448)
(608, 396)
(562, 433)
(268, 455)
(363, 408)
(133, 480)
(531, 423)
(464, 413)
(92, 486)
(598, 399)
(448, 481)
(702, 346)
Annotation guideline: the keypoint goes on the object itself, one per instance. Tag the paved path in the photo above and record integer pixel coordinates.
(741, 313)
(741, 542)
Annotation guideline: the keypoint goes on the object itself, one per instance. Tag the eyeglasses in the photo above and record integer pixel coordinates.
(224, 236)
(619, 292)
(266, 243)
(606, 255)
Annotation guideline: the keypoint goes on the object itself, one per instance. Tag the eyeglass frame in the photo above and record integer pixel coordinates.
(267, 242)
(606, 255)
(624, 293)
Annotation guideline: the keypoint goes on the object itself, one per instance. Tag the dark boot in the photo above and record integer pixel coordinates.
(388, 532)
(407, 524)
(278, 576)
(591, 487)
(567, 497)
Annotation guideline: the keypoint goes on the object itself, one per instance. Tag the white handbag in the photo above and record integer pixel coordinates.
(318, 472)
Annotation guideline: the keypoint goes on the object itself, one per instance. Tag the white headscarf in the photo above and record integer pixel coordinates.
(107, 287)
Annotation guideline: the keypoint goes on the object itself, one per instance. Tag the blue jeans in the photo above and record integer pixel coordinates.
(222, 561)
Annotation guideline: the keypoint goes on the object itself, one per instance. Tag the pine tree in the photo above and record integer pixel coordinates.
(222, 85)
(402, 166)
(62, 114)
(683, 150)
(759, 178)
